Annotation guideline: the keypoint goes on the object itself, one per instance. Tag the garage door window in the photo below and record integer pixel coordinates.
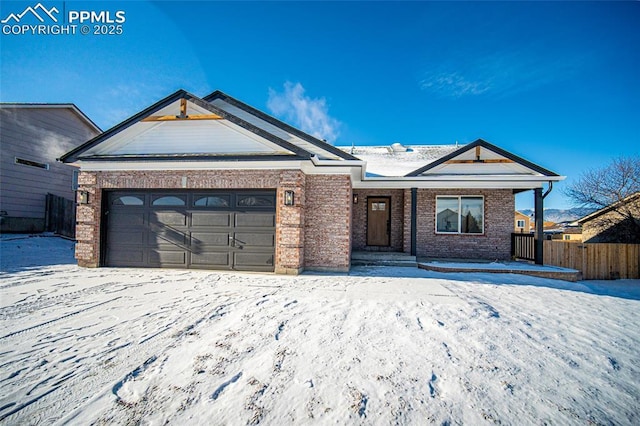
(128, 200)
(211, 201)
(255, 201)
(169, 200)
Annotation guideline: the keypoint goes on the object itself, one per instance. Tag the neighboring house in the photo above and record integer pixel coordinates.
(522, 223)
(214, 183)
(569, 233)
(32, 137)
(617, 223)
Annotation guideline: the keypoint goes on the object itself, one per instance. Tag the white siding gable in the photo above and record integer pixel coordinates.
(208, 137)
(490, 163)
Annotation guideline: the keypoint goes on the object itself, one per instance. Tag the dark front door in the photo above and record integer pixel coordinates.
(191, 229)
(378, 221)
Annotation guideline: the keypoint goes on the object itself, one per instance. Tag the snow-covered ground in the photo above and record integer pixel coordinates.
(377, 346)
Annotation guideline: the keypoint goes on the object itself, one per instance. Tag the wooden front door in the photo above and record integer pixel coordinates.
(378, 221)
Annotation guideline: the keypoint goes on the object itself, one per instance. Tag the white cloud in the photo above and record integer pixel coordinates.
(308, 114)
(497, 74)
(453, 84)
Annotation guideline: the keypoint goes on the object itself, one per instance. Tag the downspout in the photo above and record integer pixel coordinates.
(549, 189)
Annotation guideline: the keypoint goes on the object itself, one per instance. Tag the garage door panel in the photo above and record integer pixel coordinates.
(167, 258)
(133, 257)
(256, 220)
(216, 259)
(255, 239)
(127, 238)
(168, 218)
(210, 219)
(122, 219)
(167, 237)
(220, 239)
(253, 260)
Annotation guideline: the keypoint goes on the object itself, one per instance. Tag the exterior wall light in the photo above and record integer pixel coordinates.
(355, 198)
(288, 198)
(83, 197)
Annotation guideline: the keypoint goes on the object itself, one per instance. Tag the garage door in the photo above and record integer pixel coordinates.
(204, 229)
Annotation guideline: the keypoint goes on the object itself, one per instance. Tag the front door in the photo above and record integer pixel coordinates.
(378, 221)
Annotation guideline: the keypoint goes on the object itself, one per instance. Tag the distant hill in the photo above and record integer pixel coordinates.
(558, 215)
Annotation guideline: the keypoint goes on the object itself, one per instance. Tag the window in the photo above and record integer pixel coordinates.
(379, 206)
(211, 201)
(460, 215)
(567, 237)
(255, 201)
(31, 163)
(169, 200)
(128, 200)
(520, 223)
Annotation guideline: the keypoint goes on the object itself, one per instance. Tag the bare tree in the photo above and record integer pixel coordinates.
(615, 188)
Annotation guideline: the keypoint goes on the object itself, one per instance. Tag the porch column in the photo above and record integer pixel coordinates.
(539, 223)
(414, 220)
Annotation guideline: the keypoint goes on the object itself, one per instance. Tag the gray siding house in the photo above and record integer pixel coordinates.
(32, 137)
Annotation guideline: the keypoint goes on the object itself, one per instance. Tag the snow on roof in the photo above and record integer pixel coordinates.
(390, 161)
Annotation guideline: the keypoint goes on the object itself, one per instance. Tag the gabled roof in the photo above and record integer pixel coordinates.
(271, 146)
(83, 117)
(225, 129)
(465, 158)
(627, 199)
(273, 124)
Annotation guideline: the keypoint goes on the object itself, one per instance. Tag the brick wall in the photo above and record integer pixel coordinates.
(495, 243)
(325, 248)
(327, 243)
(397, 218)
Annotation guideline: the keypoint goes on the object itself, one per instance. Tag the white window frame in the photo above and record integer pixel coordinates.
(520, 223)
(459, 197)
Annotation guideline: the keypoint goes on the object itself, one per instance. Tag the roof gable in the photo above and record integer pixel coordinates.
(271, 124)
(183, 125)
(481, 158)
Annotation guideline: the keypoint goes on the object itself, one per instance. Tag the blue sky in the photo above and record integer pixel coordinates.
(554, 82)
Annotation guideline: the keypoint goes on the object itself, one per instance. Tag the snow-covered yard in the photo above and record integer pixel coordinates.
(378, 346)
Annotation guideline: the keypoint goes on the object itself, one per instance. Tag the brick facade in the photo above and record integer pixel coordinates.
(398, 206)
(323, 226)
(320, 201)
(327, 244)
(494, 243)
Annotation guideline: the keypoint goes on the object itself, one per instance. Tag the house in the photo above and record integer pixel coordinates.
(571, 234)
(616, 223)
(32, 137)
(215, 183)
(522, 223)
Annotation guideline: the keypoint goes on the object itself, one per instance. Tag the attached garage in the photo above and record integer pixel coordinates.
(190, 229)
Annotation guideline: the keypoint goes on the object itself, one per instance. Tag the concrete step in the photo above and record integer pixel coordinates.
(380, 258)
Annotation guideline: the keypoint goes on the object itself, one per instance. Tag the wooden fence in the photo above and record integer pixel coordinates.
(595, 261)
(523, 246)
(60, 216)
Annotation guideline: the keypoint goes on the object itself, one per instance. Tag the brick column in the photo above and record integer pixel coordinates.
(88, 222)
(290, 223)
